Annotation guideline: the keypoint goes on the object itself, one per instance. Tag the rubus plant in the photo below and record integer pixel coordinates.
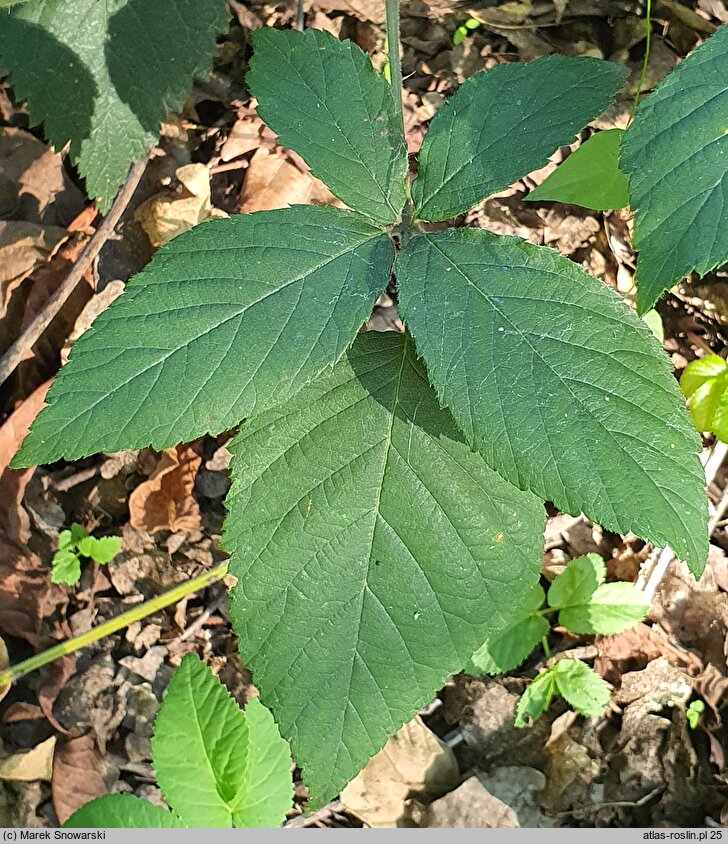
(704, 383)
(75, 543)
(386, 514)
(586, 605)
(218, 766)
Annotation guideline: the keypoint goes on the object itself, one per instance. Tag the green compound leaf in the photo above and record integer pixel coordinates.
(505, 123)
(536, 699)
(577, 582)
(507, 648)
(219, 766)
(325, 101)
(101, 550)
(612, 608)
(557, 383)
(581, 687)
(704, 382)
(65, 567)
(676, 155)
(122, 811)
(227, 320)
(81, 76)
(589, 177)
(374, 553)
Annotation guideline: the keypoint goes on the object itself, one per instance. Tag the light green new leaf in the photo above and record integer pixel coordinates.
(581, 687)
(325, 101)
(612, 608)
(589, 177)
(502, 124)
(536, 699)
(79, 64)
(219, 766)
(676, 155)
(558, 384)
(122, 811)
(577, 582)
(227, 320)
(65, 567)
(704, 382)
(101, 550)
(507, 648)
(374, 553)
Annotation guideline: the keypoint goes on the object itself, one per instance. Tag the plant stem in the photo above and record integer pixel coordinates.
(113, 625)
(545, 646)
(395, 60)
(645, 60)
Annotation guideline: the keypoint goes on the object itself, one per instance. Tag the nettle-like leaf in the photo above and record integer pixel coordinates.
(325, 100)
(79, 64)
(580, 686)
(217, 766)
(705, 382)
(676, 155)
(227, 320)
(557, 383)
(374, 553)
(589, 177)
(587, 604)
(503, 123)
(506, 648)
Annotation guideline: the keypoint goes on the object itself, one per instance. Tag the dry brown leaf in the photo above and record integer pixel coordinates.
(271, 182)
(414, 762)
(34, 764)
(165, 501)
(244, 137)
(470, 806)
(77, 776)
(4, 664)
(170, 213)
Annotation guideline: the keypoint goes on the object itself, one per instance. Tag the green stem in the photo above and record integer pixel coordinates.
(113, 625)
(645, 60)
(395, 60)
(545, 646)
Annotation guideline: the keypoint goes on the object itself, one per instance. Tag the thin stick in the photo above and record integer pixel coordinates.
(113, 625)
(49, 311)
(645, 60)
(395, 60)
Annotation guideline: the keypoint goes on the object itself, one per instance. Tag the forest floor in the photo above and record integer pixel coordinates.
(81, 726)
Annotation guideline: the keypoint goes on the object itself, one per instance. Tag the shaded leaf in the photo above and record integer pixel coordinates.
(394, 550)
(227, 320)
(676, 155)
(560, 386)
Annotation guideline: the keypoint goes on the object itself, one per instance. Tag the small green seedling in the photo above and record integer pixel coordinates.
(704, 382)
(462, 32)
(585, 605)
(76, 543)
(218, 766)
(693, 713)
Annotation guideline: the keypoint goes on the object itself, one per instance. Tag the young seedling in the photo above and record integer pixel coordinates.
(217, 766)
(586, 605)
(75, 544)
(694, 712)
(386, 514)
(704, 382)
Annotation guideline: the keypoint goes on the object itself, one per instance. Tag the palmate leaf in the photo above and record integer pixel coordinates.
(374, 553)
(560, 386)
(502, 124)
(325, 101)
(227, 320)
(219, 766)
(676, 155)
(79, 64)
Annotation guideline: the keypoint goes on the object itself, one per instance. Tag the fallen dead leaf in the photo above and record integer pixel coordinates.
(77, 775)
(413, 763)
(244, 137)
(470, 806)
(569, 770)
(34, 764)
(4, 664)
(170, 213)
(165, 501)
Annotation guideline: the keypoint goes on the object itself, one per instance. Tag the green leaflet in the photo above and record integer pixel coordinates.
(580, 686)
(507, 648)
(704, 382)
(577, 582)
(374, 552)
(560, 386)
(676, 155)
(589, 177)
(228, 319)
(122, 811)
(502, 124)
(218, 766)
(79, 62)
(325, 100)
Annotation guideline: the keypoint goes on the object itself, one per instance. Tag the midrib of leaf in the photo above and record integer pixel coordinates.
(576, 399)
